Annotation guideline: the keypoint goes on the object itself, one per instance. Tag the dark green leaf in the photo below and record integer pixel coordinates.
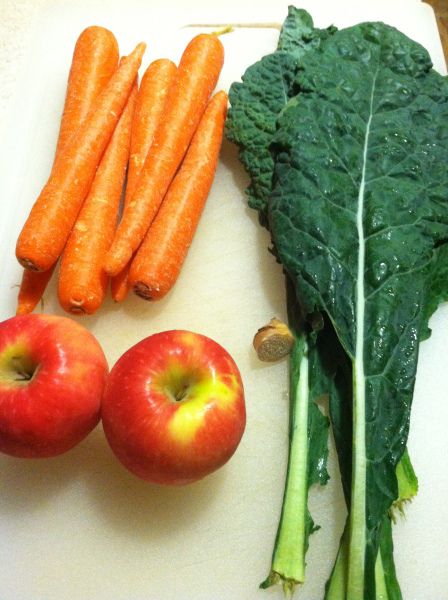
(256, 102)
(251, 122)
(298, 34)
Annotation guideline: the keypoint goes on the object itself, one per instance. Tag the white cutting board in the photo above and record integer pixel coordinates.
(79, 527)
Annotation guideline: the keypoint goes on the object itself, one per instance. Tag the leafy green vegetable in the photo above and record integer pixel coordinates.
(344, 136)
(266, 88)
(359, 219)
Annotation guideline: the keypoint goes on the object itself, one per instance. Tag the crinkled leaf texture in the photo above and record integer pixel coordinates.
(359, 218)
(256, 102)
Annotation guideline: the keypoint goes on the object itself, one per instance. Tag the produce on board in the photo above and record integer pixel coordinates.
(345, 137)
(95, 59)
(77, 211)
(173, 409)
(149, 109)
(187, 376)
(82, 282)
(48, 226)
(45, 406)
(195, 80)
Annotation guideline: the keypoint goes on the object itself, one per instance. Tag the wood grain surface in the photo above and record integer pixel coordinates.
(441, 10)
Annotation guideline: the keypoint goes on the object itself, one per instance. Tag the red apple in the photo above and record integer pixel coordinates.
(52, 376)
(173, 410)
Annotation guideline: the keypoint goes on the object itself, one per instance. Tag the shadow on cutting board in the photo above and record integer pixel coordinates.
(138, 508)
(97, 480)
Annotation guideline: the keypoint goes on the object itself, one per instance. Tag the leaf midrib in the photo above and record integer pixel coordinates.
(355, 587)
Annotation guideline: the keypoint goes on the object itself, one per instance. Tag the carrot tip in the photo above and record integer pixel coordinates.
(28, 264)
(139, 50)
(120, 296)
(77, 310)
(24, 310)
(116, 261)
(142, 290)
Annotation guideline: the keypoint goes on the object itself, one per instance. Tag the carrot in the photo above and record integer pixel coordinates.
(82, 281)
(119, 285)
(32, 287)
(95, 59)
(159, 259)
(195, 80)
(151, 100)
(53, 215)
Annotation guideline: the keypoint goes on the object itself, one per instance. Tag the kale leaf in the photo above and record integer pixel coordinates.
(256, 102)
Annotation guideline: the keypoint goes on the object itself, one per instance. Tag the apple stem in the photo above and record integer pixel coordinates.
(180, 395)
(22, 377)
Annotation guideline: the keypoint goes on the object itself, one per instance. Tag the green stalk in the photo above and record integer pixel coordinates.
(288, 560)
(386, 583)
(357, 517)
(380, 580)
(336, 587)
(357, 534)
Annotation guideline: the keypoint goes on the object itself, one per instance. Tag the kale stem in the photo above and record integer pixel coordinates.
(386, 584)
(380, 579)
(357, 516)
(336, 587)
(288, 561)
(357, 543)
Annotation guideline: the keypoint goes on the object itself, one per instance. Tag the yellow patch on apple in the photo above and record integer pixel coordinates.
(190, 415)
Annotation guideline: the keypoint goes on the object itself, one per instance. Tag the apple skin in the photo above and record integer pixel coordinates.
(52, 411)
(166, 440)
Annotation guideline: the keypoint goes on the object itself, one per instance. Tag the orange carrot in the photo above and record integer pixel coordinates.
(195, 80)
(159, 259)
(31, 289)
(82, 281)
(53, 215)
(151, 100)
(119, 285)
(95, 59)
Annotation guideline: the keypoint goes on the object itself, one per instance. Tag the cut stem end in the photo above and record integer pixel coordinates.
(273, 341)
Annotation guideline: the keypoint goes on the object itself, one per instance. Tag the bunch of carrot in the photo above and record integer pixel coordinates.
(166, 133)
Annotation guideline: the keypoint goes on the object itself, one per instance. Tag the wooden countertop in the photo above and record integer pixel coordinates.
(441, 10)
